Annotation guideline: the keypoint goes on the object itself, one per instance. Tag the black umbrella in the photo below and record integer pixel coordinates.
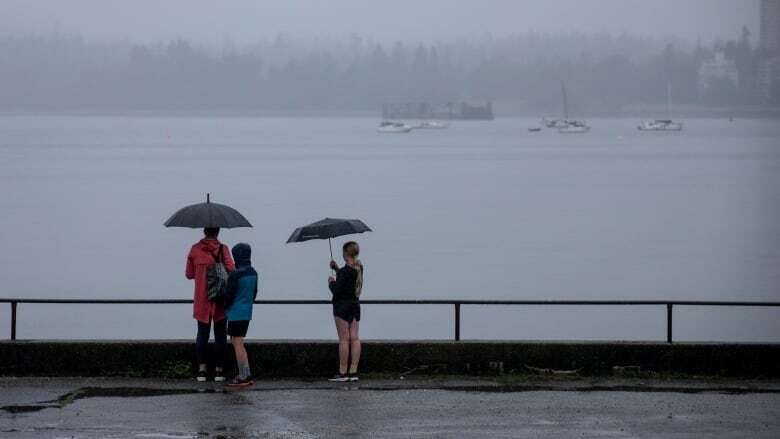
(327, 229)
(207, 214)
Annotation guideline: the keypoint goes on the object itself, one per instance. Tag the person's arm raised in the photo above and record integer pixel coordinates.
(189, 269)
(340, 283)
(227, 258)
(333, 284)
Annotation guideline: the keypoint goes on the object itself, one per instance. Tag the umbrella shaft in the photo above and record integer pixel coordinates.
(330, 246)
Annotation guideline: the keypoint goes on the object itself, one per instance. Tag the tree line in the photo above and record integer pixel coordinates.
(603, 73)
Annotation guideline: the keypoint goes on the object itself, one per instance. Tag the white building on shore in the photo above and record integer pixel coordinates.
(770, 26)
(768, 78)
(715, 69)
(768, 72)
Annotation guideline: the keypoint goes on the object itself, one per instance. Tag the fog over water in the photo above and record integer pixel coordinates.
(244, 21)
(618, 57)
(481, 210)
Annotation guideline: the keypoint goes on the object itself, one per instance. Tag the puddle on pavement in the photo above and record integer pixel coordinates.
(27, 408)
(166, 436)
(101, 392)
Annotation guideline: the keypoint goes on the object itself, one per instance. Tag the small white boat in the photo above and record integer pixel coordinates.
(555, 123)
(566, 125)
(660, 125)
(393, 127)
(432, 125)
(575, 127)
(667, 124)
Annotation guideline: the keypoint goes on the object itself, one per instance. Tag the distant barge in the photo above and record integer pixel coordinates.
(449, 111)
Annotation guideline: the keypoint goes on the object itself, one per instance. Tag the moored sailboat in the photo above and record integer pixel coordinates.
(668, 124)
(566, 125)
(393, 127)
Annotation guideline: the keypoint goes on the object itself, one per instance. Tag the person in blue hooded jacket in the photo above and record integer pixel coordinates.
(240, 295)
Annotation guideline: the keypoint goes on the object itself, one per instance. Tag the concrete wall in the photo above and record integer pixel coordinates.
(319, 358)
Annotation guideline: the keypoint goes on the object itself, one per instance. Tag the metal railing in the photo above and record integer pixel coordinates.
(457, 304)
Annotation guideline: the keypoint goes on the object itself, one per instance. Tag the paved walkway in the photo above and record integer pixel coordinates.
(446, 407)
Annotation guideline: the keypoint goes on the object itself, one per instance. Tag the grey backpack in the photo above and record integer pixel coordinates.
(216, 278)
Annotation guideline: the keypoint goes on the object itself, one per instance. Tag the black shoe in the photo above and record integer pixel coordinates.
(340, 378)
(354, 377)
(201, 377)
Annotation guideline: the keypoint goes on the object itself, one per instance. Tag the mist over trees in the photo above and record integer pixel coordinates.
(604, 74)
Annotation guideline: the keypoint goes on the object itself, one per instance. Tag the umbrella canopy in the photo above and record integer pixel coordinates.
(207, 214)
(328, 228)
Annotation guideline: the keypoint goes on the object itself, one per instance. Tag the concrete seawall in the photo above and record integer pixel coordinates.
(281, 358)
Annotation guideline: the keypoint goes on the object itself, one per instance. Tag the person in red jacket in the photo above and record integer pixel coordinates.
(204, 253)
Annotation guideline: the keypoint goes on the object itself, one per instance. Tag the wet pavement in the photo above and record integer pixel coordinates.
(421, 407)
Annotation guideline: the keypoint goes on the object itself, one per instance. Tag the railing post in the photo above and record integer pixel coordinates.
(13, 320)
(457, 321)
(668, 322)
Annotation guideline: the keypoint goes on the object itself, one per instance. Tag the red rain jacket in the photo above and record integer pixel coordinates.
(200, 257)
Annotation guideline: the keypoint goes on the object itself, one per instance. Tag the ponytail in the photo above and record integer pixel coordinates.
(359, 278)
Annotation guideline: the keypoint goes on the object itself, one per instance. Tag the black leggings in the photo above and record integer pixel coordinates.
(202, 342)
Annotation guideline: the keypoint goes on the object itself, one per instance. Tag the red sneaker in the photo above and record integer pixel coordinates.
(238, 382)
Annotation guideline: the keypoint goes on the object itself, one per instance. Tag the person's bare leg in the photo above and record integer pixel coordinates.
(238, 346)
(342, 327)
(242, 359)
(354, 341)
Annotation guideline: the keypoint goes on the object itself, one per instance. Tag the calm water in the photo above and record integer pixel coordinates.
(481, 210)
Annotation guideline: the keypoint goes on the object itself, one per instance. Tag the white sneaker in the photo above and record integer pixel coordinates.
(340, 378)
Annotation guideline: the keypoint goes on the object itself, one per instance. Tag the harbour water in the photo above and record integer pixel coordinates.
(482, 210)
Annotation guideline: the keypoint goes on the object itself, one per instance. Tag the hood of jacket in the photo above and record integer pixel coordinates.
(209, 245)
(242, 254)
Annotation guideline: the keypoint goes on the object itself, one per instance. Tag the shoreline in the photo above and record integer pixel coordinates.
(633, 113)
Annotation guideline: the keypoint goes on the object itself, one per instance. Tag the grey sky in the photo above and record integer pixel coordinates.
(212, 21)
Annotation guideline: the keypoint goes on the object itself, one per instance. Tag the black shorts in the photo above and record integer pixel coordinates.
(347, 310)
(238, 328)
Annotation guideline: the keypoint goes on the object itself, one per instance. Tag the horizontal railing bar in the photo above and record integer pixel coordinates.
(721, 303)
(457, 303)
(405, 302)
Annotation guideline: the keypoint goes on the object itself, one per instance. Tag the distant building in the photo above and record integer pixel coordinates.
(770, 26)
(425, 110)
(768, 71)
(715, 69)
(767, 78)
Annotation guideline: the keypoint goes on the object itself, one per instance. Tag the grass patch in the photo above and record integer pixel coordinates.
(176, 369)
